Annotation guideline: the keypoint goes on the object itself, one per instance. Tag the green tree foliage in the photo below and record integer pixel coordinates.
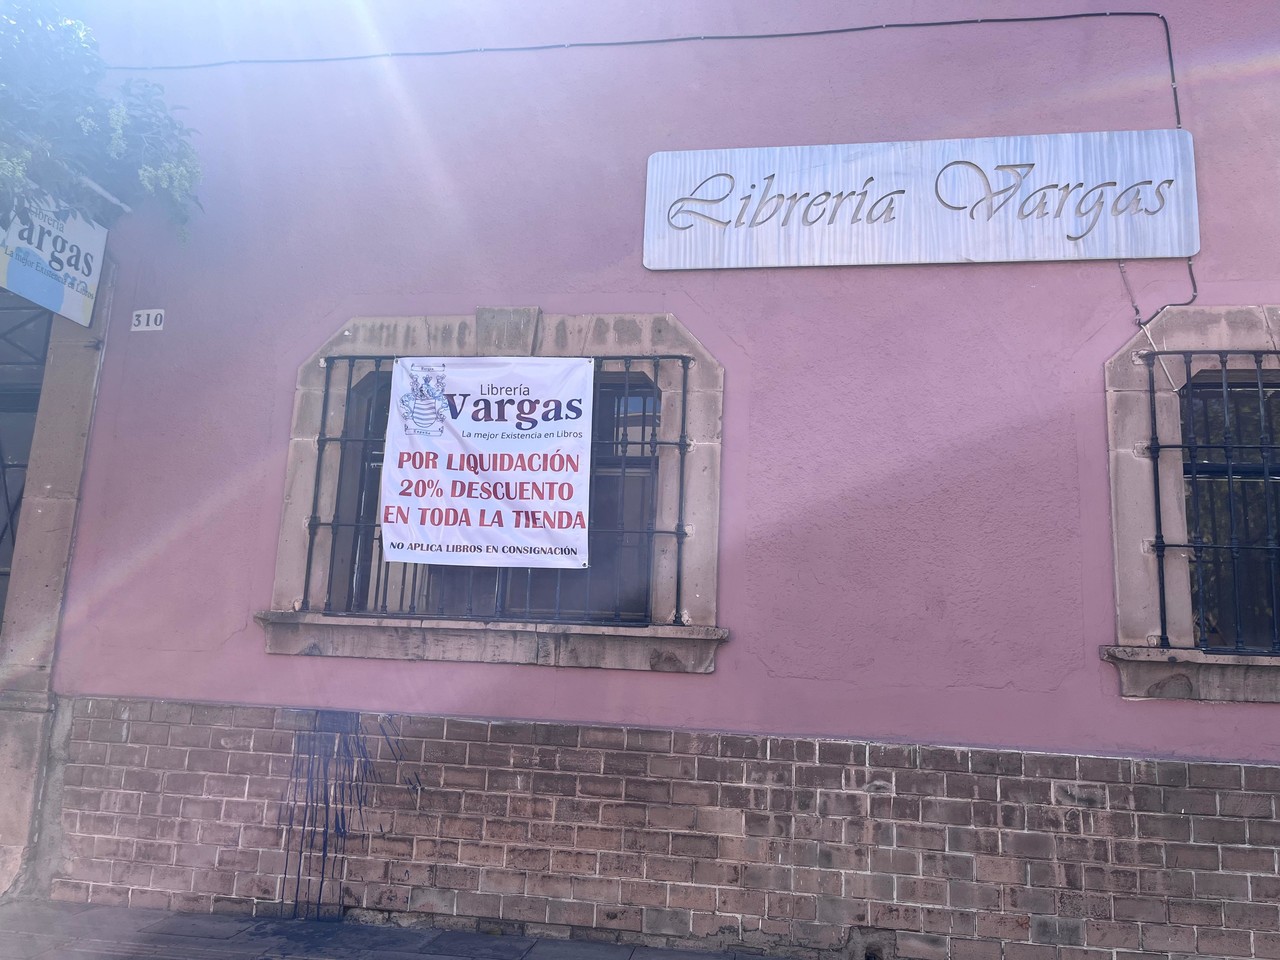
(63, 130)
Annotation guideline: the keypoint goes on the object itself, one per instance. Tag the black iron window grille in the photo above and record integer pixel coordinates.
(24, 343)
(1228, 481)
(638, 453)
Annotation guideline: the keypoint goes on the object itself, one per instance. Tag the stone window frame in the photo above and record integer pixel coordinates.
(1180, 671)
(683, 641)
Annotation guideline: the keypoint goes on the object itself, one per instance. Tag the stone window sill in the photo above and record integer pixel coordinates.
(1177, 673)
(665, 649)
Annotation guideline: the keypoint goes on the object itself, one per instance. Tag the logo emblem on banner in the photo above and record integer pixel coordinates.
(487, 461)
(422, 407)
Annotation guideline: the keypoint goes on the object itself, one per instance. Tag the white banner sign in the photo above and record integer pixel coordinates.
(1070, 196)
(488, 461)
(54, 261)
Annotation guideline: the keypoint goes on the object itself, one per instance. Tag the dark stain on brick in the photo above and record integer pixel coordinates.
(330, 787)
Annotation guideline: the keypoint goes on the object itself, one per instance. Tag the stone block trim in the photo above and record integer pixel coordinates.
(794, 846)
(1178, 671)
(682, 635)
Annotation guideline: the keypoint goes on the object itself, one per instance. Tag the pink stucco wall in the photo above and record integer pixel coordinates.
(915, 538)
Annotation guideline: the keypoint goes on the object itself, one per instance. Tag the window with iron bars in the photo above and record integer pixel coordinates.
(24, 345)
(639, 443)
(1229, 482)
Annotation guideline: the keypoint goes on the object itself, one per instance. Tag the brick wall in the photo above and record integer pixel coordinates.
(798, 846)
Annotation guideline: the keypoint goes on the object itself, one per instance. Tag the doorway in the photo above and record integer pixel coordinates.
(24, 345)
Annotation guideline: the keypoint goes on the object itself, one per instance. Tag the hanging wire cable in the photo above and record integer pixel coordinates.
(1129, 290)
(1195, 292)
(725, 38)
(661, 41)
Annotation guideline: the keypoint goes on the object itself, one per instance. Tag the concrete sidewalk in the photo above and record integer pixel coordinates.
(73, 931)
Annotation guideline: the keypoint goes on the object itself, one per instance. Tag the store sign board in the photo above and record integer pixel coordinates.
(1070, 196)
(488, 461)
(54, 260)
